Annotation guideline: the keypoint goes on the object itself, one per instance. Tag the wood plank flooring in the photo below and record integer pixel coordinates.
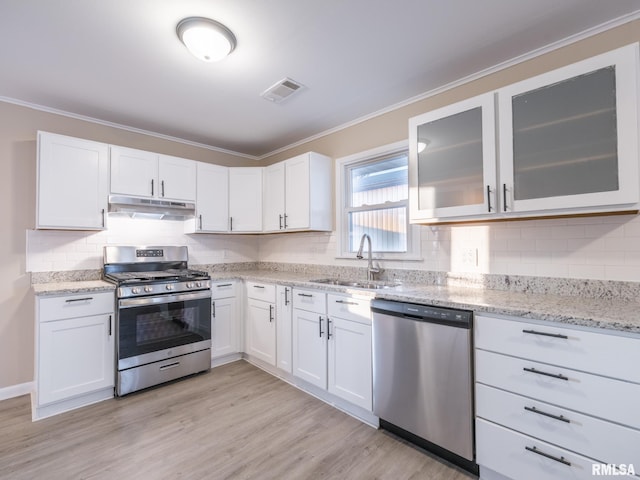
(235, 422)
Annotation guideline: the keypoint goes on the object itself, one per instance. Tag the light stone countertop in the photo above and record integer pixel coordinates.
(605, 313)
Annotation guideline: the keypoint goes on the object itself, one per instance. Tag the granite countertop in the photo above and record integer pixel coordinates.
(605, 313)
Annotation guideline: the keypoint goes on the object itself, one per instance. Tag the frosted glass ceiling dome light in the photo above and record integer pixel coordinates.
(207, 39)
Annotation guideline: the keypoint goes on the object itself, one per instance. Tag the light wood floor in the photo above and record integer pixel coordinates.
(233, 422)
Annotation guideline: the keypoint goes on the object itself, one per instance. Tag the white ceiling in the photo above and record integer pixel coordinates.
(120, 61)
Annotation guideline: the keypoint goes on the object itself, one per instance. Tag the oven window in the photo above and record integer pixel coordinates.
(150, 328)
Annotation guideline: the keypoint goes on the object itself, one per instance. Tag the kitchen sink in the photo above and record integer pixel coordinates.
(370, 285)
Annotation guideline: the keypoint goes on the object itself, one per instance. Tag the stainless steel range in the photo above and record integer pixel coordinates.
(163, 317)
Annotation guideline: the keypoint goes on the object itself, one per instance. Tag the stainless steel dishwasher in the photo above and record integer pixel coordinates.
(423, 377)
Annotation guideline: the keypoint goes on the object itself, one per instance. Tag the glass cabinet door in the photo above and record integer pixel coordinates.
(452, 160)
(565, 137)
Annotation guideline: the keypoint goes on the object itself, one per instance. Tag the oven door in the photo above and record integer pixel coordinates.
(163, 326)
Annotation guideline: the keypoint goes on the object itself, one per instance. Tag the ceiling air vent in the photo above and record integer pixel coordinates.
(281, 90)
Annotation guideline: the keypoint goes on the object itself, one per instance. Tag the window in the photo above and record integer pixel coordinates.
(373, 199)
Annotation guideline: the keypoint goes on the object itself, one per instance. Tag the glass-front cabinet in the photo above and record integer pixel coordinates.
(566, 143)
(452, 167)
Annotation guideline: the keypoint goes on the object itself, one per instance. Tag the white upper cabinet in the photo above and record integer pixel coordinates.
(452, 167)
(145, 174)
(298, 194)
(73, 179)
(212, 198)
(570, 136)
(567, 143)
(245, 199)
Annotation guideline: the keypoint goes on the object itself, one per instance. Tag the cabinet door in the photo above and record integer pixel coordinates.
(75, 357)
(177, 177)
(261, 330)
(569, 137)
(134, 172)
(350, 368)
(72, 182)
(245, 199)
(310, 347)
(297, 192)
(212, 203)
(284, 313)
(274, 197)
(452, 162)
(224, 332)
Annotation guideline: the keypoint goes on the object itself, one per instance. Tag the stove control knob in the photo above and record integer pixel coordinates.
(169, 287)
(135, 290)
(198, 284)
(189, 284)
(148, 289)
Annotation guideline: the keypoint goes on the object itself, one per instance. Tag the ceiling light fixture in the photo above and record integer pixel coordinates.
(207, 39)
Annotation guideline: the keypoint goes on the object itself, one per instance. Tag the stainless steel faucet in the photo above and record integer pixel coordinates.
(371, 271)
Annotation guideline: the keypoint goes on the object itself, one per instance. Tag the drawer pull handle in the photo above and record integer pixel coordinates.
(170, 365)
(305, 295)
(540, 452)
(258, 286)
(550, 415)
(83, 299)
(225, 285)
(546, 374)
(346, 302)
(545, 334)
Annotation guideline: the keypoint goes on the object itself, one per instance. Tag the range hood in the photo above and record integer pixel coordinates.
(151, 207)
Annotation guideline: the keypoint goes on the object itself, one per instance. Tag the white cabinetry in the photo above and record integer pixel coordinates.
(310, 336)
(74, 351)
(297, 194)
(567, 143)
(551, 401)
(225, 332)
(260, 322)
(245, 199)
(146, 174)
(284, 316)
(212, 198)
(73, 179)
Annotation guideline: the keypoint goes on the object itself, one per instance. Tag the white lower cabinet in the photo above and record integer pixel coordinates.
(74, 351)
(546, 409)
(332, 344)
(284, 328)
(260, 322)
(225, 332)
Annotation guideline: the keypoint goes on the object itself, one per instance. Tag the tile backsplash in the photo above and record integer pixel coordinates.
(599, 248)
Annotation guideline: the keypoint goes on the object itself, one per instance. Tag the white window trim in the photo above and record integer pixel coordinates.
(342, 229)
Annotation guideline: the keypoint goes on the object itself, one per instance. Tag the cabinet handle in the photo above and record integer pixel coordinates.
(200, 218)
(489, 197)
(305, 295)
(83, 299)
(110, 318)
(152, 187)
(550, 415)
(347, 302)
(280, 221)
(554, 335)
(258, 286)
(286, 300)
(225, 285)
(329, 329)
(540, 452)
(504, 196)
(546, 374)
(285, 221)
(320, 325)
(213, 309)
(231, 224)
(103, 221)
(270, 313)
(162, 188)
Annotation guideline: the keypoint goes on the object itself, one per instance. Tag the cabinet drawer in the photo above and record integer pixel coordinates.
(261, 291)
(506, 452)
(582, 350)
(310, 300)
(349, 308)
(608, 442)
(606, 398)
(76, 305)
(223, 289)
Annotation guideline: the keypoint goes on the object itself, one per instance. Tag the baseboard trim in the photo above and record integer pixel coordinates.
(16, 390)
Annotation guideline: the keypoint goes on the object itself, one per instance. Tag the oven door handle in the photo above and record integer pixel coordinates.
(160, 299)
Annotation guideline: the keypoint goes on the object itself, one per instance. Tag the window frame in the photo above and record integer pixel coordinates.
(342, 209)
